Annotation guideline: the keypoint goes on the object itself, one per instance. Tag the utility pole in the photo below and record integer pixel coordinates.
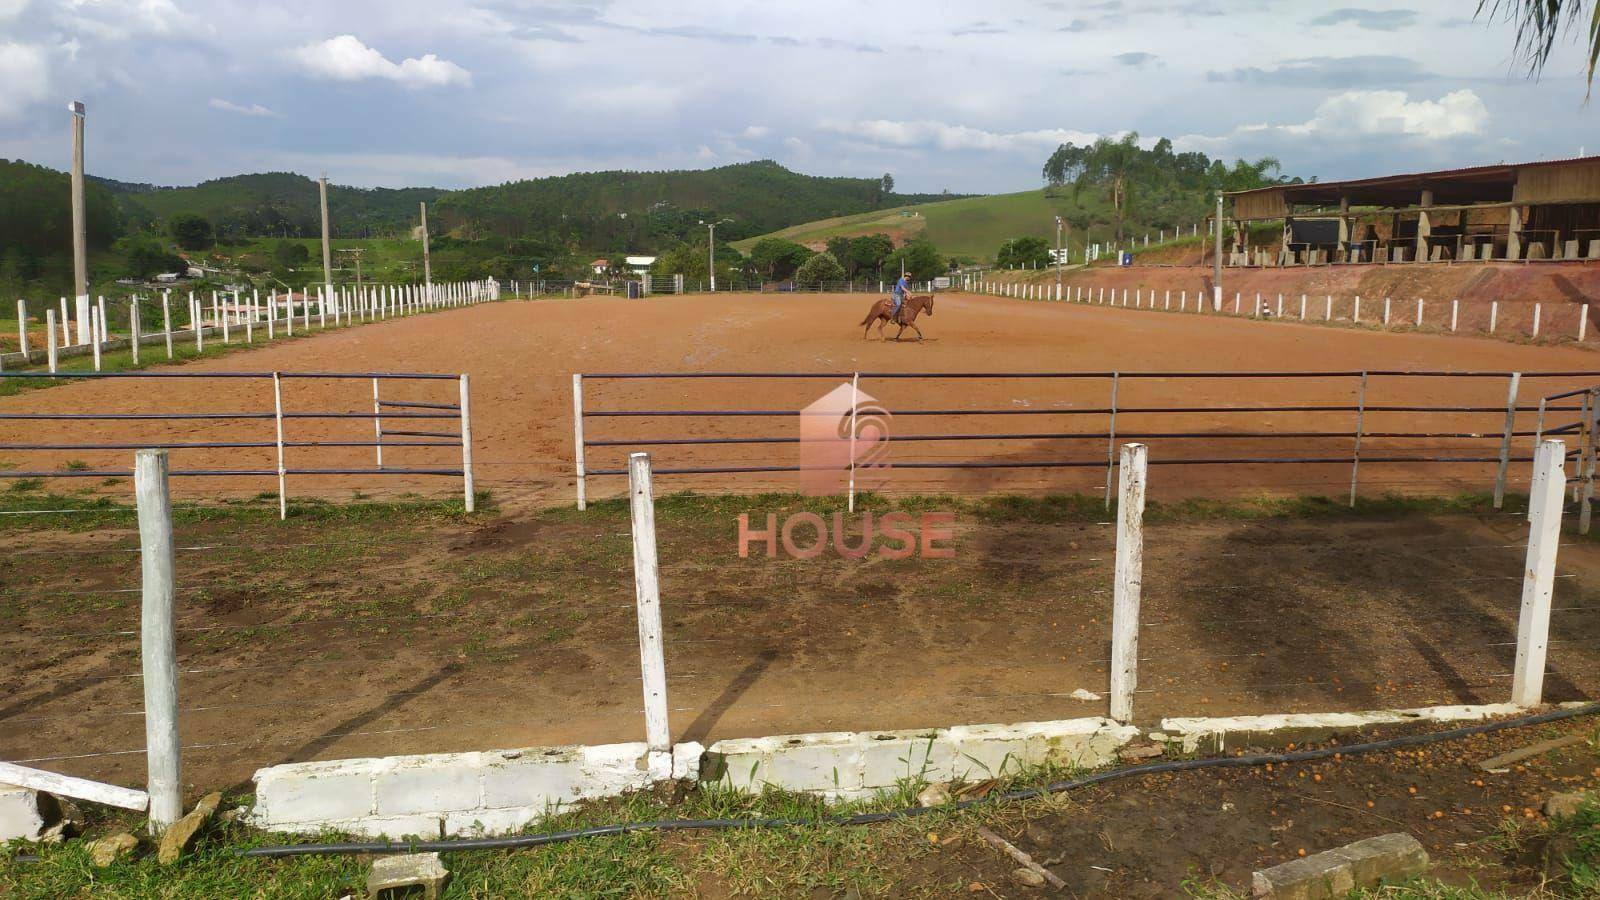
(427, 267)
(327, 254)
(1216, 264)
(80, 248)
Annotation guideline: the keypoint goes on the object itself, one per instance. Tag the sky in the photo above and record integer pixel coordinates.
(969, 97)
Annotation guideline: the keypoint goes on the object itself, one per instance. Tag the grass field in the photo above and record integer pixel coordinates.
(972, 227)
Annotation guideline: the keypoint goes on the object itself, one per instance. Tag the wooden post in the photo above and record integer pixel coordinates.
(1356, 316)
(1538, 579)
(1583, 322)
(1494, 314)
(249, 318)
(134, 332)
(158, 641)
(166, 319)
(1536, 307)
(277, 415)
(1419, 312)
(647, 596)
(1327, 314)
(1302, 307)
(1111, 440)
(466, 443)
(1538, 438)
(577, 439)
(377, 422)
(1129, 583)
(199, 327)
(855, 392)
(1361, 424)
(50, 339)
(96, 334)
(1455, 309)
(1386, 312)
(22, 329)
(1505, 441)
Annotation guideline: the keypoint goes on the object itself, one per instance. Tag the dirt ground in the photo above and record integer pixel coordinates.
(521, 357)
(337, 635)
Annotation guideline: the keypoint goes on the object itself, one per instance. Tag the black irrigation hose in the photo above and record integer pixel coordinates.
(1219, 762)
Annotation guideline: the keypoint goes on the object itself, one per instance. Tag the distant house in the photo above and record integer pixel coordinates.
(167, 277)
(639, 264)
(600, 266)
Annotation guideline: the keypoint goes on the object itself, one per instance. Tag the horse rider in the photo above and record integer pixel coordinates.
(901, 288)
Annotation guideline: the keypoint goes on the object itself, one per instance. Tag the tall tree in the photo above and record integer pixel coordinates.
(1112, 165)
(1540, 22)
(887, 183)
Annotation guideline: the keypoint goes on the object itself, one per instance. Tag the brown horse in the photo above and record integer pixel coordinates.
(908, 315)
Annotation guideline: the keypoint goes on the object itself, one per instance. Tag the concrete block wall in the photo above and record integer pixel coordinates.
(451, 794)
(23, 813)
(1218, 734)
(852, 765)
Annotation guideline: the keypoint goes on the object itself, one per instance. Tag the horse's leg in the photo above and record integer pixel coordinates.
(918, 331)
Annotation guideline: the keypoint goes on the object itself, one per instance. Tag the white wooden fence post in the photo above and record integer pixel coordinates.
(1538, 579)
(377, 422)
(277, 415)
(22, 329)
(1455, 310)
(134, 331)
(1494, 314)
(166, 319)
(50, 338)
(97, 330)
(647, 595)
(1505, 440)
(466, 443)
(157, 640)
(577, 438)
(1129, 582)
(1419, 312)
(1583, 322)
(1536, 308)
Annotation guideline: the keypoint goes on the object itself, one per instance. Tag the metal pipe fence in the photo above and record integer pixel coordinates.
(1402, 411)
(382, 415)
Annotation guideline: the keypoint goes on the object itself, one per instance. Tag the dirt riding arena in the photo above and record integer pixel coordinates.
(334, 634)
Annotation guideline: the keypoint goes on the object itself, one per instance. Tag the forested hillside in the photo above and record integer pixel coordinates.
(647, 210)
(278, 204)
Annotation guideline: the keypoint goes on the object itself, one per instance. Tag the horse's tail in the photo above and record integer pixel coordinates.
(871, 314)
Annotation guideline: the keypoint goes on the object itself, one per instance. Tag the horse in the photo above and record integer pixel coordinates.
(908, 315)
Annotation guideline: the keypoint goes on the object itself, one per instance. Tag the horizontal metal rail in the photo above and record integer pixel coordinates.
(1075, 375)
(1090, 463)
(1073, 411)
(70, 417)
(388, 376)
(232, 445)
(128, 473)
(1070, 435)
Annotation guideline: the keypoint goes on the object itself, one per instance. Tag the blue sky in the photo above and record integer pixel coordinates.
(969, 97)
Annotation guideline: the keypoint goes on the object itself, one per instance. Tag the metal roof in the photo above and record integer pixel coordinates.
(1463, 183)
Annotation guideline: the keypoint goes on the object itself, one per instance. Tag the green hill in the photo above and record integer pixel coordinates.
(277, 203)
(975, 227)
(618, 210)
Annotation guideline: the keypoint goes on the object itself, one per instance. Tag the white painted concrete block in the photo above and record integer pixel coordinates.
(21, 813)
(1225, 732)
(478, 822)
(392, 828)
(304, 792)
(545, 777)
(428, 784)
(888, 757)
(686, 758)
(824, 762)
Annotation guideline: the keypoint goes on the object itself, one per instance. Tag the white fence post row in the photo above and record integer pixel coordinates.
(466, 443)
(157, 640)
(577, 438)
(647, 595)
(1129, 582)
(1538, 580)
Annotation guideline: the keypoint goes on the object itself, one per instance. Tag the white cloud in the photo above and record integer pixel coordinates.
(25, 72)
(946, 136)
(10, 9)
(755, 132)
(254, 109)
(1393, 112)
(345, 58)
